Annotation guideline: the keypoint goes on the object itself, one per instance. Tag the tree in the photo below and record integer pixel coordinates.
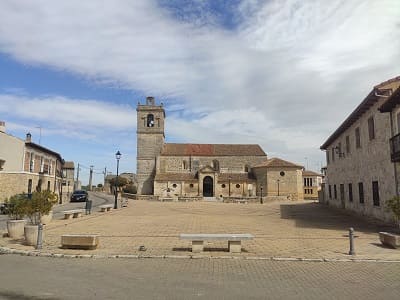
(16, 206)
(41, 204)
(122, 181)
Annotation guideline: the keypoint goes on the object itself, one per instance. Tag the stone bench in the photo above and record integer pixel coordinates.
(234, 240)
(244, 201)
(80, 241)
(106, 207)
(74, 213)
(389, 239)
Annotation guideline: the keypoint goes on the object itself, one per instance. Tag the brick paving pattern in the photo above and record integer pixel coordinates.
(290, 229)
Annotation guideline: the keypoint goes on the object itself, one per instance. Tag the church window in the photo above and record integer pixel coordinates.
(237, 185)
(184, 164)
(216, 164)
(246, 168)
(174, 185)
(191, 185)
(282, 173)
(223, 185)
(150, 120)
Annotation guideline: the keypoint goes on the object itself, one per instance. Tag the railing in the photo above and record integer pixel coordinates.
(395, 148)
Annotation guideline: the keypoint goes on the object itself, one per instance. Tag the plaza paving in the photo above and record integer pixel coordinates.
(281, 230)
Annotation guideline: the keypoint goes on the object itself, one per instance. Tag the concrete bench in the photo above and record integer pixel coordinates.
(74, 213)
(106, 207)
(389, 239)
(234, 240)
(80, 241)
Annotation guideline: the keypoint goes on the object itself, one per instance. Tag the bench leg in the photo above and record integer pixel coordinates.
(67, 216)
(108, 208)
(197, 246)
(77, 215)
(235, 246)
(103, 209)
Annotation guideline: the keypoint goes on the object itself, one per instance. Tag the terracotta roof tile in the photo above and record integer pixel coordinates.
(171, 149)
(277, 162)
(311, 173)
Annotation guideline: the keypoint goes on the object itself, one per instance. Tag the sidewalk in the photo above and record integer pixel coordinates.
(282, 230)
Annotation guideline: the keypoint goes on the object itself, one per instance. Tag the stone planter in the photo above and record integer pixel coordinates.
(31, 233)
(46, 219)
(15, 228)
(390, 239)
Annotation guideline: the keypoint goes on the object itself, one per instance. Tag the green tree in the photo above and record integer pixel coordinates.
(41, 204)
(16, 206)
(122, 182)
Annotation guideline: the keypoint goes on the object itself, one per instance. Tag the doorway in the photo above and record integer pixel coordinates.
(208, 187)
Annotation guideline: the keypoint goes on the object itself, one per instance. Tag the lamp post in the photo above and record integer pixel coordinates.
(229, 186)
(261, 200)
(278, 185)
(117, 156)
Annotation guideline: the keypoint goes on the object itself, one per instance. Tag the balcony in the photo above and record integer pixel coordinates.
(395, 148)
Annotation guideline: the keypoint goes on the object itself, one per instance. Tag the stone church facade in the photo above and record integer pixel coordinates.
(173, 170)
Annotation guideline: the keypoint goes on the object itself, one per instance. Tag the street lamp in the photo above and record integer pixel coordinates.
(229, 186)
(261, 200)
(278, 185)
(117, 156)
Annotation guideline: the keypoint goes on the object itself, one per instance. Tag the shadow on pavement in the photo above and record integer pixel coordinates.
(315, 215)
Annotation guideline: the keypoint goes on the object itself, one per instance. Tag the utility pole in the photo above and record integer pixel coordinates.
(77, 178)
(105, 174)
(90, 178)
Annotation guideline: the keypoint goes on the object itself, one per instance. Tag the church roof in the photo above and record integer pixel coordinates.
(277, 163)
(171, 149)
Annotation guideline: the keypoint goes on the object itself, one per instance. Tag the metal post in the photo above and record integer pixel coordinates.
(116, 187)
(278, 186)
(229, 186)
(261, 200)
(39, 237)
(351, 238)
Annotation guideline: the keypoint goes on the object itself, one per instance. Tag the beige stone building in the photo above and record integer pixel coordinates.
(360, 174)
(69, 178)
(26, 166)
(312, 182)
(206, 170)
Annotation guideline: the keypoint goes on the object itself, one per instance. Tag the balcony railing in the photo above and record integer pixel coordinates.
(395, 148)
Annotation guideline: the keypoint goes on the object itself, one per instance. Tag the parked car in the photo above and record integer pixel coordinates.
(4, 208)
(79, 196)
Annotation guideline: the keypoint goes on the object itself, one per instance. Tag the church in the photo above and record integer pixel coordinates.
(220, 171)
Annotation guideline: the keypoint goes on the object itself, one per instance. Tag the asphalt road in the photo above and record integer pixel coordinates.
(23, 278)
(97, 198)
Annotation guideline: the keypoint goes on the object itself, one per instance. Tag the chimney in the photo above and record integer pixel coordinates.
(28, 138)
(150, 101)
(3, 126)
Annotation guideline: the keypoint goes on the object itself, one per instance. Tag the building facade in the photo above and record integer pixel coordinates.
(26, 167)
(206, 170)
(360, 175)
(312, 183)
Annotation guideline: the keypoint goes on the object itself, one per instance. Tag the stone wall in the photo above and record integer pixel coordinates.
(371, 162)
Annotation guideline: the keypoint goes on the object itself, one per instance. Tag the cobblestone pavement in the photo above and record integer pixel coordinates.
(290, 229)
(53, 278)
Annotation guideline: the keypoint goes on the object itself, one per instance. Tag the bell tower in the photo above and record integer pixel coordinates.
(150, 140)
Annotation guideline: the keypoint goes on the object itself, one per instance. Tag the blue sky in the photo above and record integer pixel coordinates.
(282, 74)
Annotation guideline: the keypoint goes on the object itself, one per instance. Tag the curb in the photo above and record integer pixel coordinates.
(5, 250)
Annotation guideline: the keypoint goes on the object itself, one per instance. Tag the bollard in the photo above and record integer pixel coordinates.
(39, 237)
(351, 239)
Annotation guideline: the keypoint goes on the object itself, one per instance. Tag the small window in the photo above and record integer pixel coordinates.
(223, 185)
(375, 193)
(48, 185)
(347, 144)
(371, 128)
(150, 120)
(215, 164)
(237, 185)
(361, 192)
(29, 186)
(350, 192)
(174, 185)
(327, 157)
(341, 192)
(358, 138)
(191, 185)
(185, 165)
(333, 153)
(330, 192)
(282, 173)
(334, 191)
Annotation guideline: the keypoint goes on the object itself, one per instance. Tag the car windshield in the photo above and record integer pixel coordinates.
(79, 193)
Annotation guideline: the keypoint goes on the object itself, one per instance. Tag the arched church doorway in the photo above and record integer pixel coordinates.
(208, 187)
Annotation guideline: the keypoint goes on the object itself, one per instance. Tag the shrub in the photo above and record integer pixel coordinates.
(16, 206)
(41, 204)
(130, 189)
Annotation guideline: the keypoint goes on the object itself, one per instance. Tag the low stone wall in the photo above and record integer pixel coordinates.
(147, 197)
(187, 199)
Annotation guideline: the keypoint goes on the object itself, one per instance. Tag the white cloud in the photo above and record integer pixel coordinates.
(287, 62)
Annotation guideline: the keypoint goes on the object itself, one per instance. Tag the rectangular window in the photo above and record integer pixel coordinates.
(371, 128)
(350, 192)
(333, 154)
(358, 138)
(347, 144)
(305, 181)
(334, 191)
(31, 163)
(375, 193)
(48, 185)
(330, 192)
(342, 192)
(327, 157)
(361, 192)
